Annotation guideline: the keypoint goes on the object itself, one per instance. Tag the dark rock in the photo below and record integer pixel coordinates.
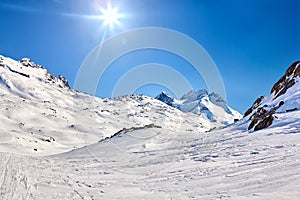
(254, 106)
(263, 115)
(286, 81)
(164, 97)
(17, 72)
(50, 139)
(26, 62)
(263, 118)
(126, 130)
(61, 80)
(291, 110)
(65, 81)
(266, 122)
(257, 116)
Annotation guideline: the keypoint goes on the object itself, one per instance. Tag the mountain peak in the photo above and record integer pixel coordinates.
(165, 97)
(24, 77)
(27, 62)
(211, 107)
(194, 95)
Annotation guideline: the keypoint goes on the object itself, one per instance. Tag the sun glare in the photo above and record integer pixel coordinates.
(110, 16)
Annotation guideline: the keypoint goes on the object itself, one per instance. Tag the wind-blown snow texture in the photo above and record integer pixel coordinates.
(156, 151)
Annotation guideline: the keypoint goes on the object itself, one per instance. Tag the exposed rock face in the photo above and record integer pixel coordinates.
(254, 106)
(287, 81)
(64, 80)
(164, 97)
(28, 63)
(263, 118)
(262, 111)
(60, 80)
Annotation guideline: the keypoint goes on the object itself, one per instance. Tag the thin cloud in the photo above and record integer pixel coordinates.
(23, 8)
(74, 15)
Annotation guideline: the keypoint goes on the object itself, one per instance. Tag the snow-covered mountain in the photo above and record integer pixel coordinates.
(40, 114)
(284, 98)
(211, 107)
(136, 147)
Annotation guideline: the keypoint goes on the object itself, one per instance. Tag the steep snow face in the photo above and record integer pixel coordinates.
(284, 97)
(210, 107)
(39, 114)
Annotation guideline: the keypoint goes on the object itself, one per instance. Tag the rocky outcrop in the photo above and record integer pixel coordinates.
(61, 81)
(127, 130)
(263, 118)
(287, 81)
(26, 62)
(254, 106)
(164, 97)
(64, 81)
(262, 112)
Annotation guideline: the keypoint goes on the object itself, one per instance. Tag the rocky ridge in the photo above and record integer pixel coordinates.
(284, 97)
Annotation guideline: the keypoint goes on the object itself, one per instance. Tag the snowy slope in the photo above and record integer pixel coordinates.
(225, 164)
(41, 115)
(211, 107)
(151, 150)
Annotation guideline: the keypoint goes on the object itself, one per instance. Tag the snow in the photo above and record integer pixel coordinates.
(34, 108)
(209, 107)
(291, 98)
(154, 163)
(174, 158)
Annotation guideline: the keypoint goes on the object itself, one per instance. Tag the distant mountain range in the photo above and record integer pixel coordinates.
(211, 107)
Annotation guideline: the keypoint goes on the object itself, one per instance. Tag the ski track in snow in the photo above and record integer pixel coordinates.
(14, 182)
(224, 164)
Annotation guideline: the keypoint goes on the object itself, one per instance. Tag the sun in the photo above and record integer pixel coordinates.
(110, 16)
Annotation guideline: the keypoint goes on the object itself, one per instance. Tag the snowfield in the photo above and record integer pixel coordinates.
(152, 163)
(56, 143)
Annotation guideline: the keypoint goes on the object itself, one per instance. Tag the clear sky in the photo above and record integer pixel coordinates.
(252, 42)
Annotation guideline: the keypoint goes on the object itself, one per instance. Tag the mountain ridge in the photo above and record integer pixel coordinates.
(40, 112)
(200, 102)
(284, 97)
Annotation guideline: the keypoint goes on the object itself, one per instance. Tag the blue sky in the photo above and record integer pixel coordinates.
(252, 42)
